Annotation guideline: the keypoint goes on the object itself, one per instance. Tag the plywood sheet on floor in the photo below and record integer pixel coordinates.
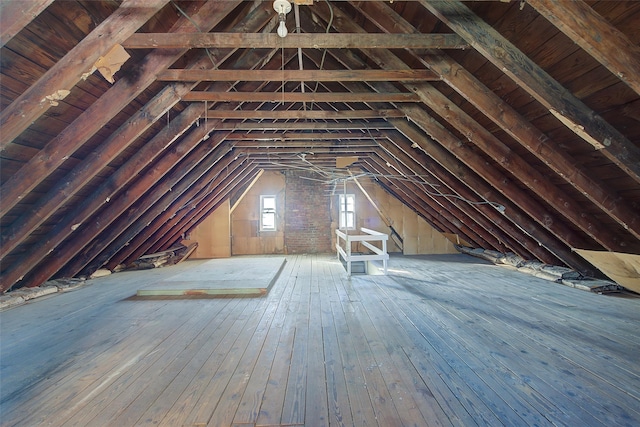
(439, 341)
(225, 277)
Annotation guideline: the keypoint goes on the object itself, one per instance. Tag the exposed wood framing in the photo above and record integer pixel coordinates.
(299, 97)
(61, 78)
(514, 124)
(308, 41)
(16, 14)
(572, 112)
(192, 75)
(593, 33)
(301, 114)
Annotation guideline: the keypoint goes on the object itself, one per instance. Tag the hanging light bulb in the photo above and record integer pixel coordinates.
(282, 28)
(282, 7)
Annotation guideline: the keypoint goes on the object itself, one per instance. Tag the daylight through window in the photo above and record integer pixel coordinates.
(347, 205)
(267, 213)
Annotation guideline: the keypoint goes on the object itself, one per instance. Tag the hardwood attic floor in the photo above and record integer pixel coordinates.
(442, 340)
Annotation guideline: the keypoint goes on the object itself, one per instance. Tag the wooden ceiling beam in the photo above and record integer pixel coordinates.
(491, 145)
(196, 75)
(467, 85)
(589, 30)
(306, 115)
(299, 97)
(68, 71)
(342, 145)
(572, 112)
(302, 136)
(111, 103)
(89, 122)
(285, 126)
(454, 156)
(304, 40)
(17, 14)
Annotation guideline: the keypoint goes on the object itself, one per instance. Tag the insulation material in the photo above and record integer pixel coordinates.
(110, 63)
(343, 162)
(622, 268)
(58, 95)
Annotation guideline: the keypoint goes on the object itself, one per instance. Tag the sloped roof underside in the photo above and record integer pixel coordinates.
(515, 125)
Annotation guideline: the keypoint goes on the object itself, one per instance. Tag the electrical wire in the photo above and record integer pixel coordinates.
(197, 27)
(324, 53)
(334, 178)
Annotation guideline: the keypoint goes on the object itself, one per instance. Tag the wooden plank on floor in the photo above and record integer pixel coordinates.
(316, 405)
(339, 407)
(217, 401)
(270, 411)
(190, 398)
(108, 404)
(252, 400)
(293, 410)
(161, 403)
(442, 340)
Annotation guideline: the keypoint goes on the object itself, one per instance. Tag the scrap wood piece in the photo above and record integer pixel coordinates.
(619, 267)
(189, 250)
(171, 256)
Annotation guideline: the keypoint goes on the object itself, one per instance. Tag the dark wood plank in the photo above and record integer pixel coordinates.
(299, 97)
(67, 72)
(308, 41)
(195, 75)
(596, 35)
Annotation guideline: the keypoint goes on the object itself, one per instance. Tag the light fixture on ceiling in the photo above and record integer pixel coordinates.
(282, 7)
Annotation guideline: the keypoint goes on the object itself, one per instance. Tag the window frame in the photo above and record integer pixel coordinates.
(273, 211)
(343, 201)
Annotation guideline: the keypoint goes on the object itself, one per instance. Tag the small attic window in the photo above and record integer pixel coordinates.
(347, 203)
(267, 213)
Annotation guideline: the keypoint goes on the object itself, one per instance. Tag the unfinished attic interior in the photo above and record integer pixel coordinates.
(492, 148)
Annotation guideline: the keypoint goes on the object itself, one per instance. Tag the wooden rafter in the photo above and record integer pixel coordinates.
(309, 41)
(341, 125)
(513, 123)
(463, 163)
(16, 14)
(491, 145)
(572, 112)
(98, 115)
(61, 78)
(596, 35)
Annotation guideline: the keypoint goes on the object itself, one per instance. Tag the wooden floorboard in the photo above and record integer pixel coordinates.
(440, 341)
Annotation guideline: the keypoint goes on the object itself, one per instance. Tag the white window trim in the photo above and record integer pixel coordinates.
(341, 198)
(262, 212)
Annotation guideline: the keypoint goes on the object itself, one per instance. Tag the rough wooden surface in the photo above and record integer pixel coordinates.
(441, 340)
